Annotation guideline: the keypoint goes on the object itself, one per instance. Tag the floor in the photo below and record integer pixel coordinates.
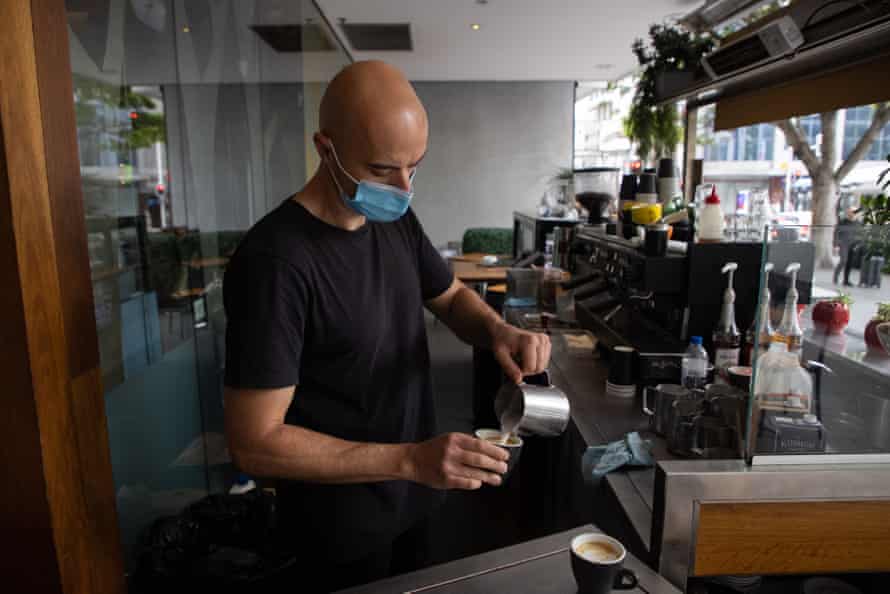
(452, 371)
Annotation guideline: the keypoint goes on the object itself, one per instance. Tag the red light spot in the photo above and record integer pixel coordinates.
(160, 188)
(134, 115)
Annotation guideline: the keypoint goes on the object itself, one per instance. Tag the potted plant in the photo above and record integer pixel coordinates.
(871, 330)
(670, 61)
(832, 315)
(875, 211)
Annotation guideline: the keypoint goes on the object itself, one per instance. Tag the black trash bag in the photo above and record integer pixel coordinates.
(222, 542)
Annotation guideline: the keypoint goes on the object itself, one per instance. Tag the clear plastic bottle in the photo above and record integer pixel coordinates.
(710, 222)
(782, 385)
(694, 367)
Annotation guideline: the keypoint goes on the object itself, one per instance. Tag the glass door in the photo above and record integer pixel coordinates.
(194, 119)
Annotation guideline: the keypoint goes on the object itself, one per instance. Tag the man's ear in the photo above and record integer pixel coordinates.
(322, 144)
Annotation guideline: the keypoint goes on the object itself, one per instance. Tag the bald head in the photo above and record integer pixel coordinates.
(368, 96)
(372, 116)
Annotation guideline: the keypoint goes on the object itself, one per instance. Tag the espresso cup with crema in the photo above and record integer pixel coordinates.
(598, 564)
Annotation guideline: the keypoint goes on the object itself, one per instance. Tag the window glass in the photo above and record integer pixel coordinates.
(191, 125)
(839, 232)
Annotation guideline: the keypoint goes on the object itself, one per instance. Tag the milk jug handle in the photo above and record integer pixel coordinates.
(646, 408)
(538, 379)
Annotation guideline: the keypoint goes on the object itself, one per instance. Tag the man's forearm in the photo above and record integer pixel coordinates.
(297, 453)
(472, 319)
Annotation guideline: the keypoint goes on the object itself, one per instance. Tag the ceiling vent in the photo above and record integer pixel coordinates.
(378, 37)
(294, 38)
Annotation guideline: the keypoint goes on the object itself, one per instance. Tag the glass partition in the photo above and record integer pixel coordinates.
(194, 119)
(821, 381)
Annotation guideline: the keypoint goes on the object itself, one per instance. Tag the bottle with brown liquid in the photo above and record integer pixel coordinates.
(760, 334)
(726, 338)
(789, 330)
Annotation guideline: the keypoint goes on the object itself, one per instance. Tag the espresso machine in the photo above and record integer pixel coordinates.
(655, 303)
(631, 299)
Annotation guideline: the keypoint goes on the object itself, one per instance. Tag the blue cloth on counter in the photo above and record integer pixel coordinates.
(633, 450)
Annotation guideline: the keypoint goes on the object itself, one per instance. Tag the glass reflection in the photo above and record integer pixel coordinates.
(194, 119)
(835, 399)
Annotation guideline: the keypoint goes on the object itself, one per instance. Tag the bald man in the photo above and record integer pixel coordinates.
(327, 366)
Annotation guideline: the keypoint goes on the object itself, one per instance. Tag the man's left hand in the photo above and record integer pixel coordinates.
(520, 352)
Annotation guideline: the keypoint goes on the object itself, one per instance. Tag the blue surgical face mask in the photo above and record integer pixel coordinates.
(378, 202)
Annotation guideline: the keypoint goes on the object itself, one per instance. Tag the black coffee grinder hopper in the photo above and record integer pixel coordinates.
(597, 205)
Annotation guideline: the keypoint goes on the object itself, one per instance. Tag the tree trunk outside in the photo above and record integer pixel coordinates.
(824, 218)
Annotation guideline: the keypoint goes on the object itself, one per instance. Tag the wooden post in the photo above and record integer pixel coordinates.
(690, 137)
(57, 502)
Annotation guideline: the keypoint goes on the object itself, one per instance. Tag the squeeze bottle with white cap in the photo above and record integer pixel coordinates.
(726, 338)
(761, 331)
(789, 330)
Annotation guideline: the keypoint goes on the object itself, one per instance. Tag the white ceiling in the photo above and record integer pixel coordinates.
(518, 40)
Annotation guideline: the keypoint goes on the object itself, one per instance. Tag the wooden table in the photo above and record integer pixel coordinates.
(189, 293)
(468, 269)
(212, 262)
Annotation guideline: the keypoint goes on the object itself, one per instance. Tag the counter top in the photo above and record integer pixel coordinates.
(540, 566)
(531, 214)
(601, 419)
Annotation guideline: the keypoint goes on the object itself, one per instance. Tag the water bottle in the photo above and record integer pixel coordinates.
(243, 484)
(694, 370)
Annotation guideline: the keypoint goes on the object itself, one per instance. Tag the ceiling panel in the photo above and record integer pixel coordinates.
(517, 39)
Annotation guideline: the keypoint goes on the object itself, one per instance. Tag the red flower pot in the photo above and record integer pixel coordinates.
(871, 338)
(831, 317)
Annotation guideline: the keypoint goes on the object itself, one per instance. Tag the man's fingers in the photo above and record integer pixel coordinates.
(529, 356)
(480, 446)
(482, 461)
(474, 474)
(505, 358)
(544, 354)
(463, 483)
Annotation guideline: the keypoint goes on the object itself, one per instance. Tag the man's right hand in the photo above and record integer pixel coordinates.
(455, 461)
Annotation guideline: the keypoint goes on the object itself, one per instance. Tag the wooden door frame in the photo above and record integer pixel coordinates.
(58, 496)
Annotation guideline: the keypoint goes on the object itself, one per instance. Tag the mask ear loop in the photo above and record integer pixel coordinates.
(340, 165)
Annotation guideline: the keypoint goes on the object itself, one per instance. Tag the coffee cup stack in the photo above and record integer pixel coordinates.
(668, 182)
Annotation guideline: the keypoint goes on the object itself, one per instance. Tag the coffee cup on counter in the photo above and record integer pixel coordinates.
(512, 444)
(656, 241)
(598, 564)
(621, 382)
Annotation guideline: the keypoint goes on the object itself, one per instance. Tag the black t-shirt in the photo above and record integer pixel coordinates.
(340, 315)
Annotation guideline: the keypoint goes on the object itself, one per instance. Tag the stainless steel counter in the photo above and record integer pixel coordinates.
(601, 419)
(541, 566)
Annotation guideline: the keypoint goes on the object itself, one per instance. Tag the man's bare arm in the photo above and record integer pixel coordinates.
(519, 352)
(261, 444)
(468, 316)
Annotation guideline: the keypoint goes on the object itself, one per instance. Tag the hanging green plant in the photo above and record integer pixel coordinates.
(669, 60)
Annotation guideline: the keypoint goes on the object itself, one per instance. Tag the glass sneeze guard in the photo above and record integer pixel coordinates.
(823, 397)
